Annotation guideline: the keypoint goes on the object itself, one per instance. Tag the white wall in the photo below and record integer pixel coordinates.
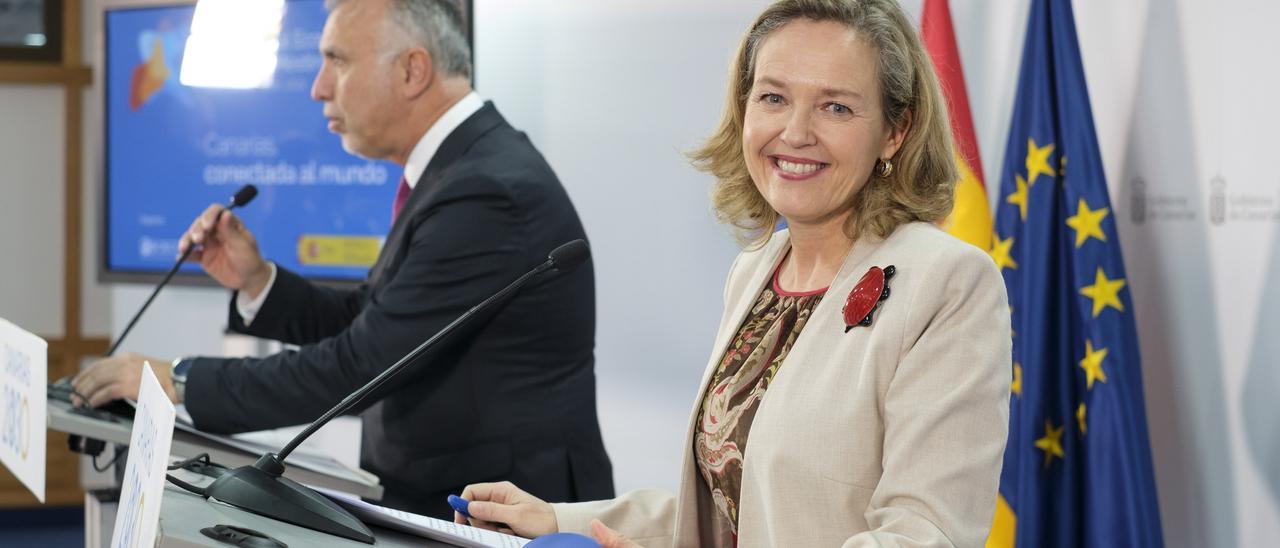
(32, 133)
(614, 94)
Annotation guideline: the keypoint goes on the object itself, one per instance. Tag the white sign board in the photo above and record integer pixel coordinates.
(144, 475)
(24, 363)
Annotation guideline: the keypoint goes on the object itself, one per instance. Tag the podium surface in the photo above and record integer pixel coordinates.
(183, 515)
(185, 444)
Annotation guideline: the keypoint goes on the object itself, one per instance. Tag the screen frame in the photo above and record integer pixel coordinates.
(51, 51)
(106, 274)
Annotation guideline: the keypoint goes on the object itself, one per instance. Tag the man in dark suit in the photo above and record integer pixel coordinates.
(512, 395)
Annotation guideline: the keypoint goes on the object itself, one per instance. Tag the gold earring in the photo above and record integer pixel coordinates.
(886, 168)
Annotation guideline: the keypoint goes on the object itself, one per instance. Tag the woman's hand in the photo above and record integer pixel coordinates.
(608, 538)
(505, 508)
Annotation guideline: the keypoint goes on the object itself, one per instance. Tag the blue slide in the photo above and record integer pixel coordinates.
(171, 150)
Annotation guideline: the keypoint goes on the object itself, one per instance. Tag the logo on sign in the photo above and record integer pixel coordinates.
(1217, 200)
(15, 434)
(1158, 206)
(26, 429)
(1138, 201)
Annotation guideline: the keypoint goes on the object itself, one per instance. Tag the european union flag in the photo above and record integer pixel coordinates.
(1077, 469)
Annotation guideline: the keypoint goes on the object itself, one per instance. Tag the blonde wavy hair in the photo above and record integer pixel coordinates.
(924, 173)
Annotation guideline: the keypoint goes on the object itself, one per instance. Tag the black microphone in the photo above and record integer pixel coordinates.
(568, 256)
(260, 488)
(242, 197)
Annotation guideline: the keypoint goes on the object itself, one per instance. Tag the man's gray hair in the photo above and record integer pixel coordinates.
(437, 26)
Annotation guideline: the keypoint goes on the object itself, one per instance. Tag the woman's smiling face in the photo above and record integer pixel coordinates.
(814, 126)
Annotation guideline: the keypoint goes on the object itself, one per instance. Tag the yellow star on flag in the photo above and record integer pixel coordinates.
(1038, 161)
(1104, 292)
(1051, 443)
(1016, 388)
(1092, 364)
(1000, 252)
(1080, 419)
(1019, 197)
(1088, 223)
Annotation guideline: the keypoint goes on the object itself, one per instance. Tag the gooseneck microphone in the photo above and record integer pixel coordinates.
(262, 489)
(243, 196)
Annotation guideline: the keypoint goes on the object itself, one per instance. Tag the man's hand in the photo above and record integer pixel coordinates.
(228, 252)
(119, 377)
(505, 508)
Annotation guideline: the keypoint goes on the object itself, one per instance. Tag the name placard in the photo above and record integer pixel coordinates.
(144, 474)
(24, 363)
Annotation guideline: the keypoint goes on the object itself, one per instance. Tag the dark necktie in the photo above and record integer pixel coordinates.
(402, 196)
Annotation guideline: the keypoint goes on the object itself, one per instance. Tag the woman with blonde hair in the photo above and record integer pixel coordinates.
(859, 391)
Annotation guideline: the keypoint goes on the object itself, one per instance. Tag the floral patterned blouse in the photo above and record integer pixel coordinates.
(739, 384)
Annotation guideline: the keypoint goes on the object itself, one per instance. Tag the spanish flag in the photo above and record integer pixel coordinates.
(971, 219)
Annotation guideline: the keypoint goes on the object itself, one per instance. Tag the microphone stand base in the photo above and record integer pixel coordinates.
(259, 488)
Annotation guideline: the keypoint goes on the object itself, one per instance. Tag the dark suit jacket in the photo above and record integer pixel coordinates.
(511, 395)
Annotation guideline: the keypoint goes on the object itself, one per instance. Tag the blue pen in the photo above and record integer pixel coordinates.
(459, 505)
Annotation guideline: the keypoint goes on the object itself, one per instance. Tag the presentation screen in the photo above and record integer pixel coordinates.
(171, 150)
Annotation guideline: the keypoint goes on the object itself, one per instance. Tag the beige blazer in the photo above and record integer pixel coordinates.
(887, 435)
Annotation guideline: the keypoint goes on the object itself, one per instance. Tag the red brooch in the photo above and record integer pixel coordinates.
(866, 296)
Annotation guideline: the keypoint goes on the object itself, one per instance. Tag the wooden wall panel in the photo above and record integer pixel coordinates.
(67, 350)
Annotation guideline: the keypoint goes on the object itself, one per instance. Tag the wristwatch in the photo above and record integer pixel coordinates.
(178, 374)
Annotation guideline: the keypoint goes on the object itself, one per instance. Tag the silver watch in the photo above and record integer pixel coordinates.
(179, 379)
